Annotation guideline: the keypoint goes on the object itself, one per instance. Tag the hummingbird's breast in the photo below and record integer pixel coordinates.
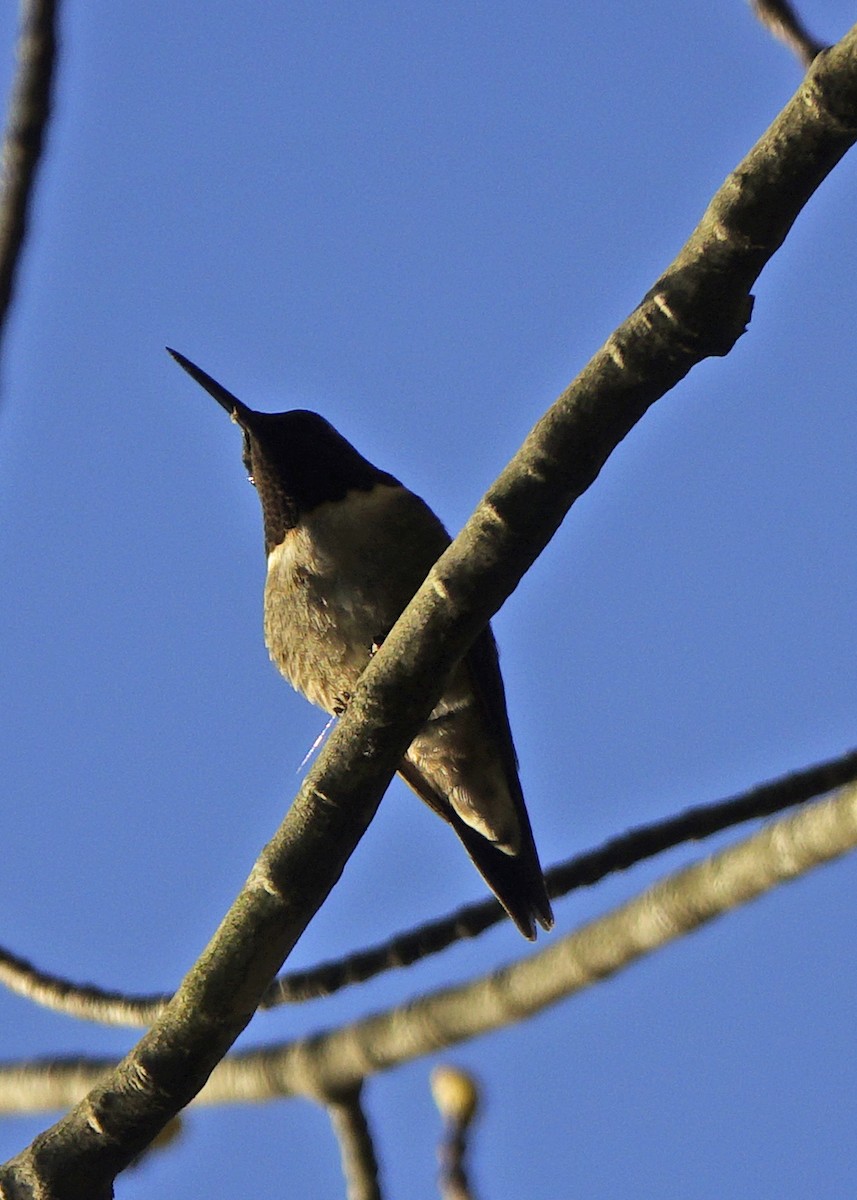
(339, 580)
(336, 585)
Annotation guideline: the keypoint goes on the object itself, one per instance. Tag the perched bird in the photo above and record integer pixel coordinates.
(347, 548)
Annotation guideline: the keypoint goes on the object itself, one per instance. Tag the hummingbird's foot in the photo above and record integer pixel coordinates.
(340, 703)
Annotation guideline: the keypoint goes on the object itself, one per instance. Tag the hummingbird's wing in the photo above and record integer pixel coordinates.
(516, 879)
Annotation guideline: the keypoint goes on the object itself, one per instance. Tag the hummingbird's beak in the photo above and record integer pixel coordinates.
(235, 407)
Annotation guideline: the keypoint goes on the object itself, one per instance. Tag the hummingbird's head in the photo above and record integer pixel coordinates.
(296, 460)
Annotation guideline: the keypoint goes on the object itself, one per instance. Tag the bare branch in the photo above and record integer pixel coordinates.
(90, 1003)
(780, 19)
(697, 308)
(82, 1000)
(672, 908)
(356, 1148)
(583, 870)
(340, 1059)
(29, 110)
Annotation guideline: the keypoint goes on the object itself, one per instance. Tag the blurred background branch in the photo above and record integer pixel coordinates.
(356, 1147)
(24, 136)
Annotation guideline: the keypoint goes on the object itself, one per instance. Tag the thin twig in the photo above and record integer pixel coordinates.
(356, 1148)
(780, 19)
(29, 111)
(90, 1003)
(453, 1178)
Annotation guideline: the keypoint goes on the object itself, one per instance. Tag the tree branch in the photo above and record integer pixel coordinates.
(29, 111)
(356, 1148)
(697, 308)
(90, 1003)
(334, 1061)
(583, 870)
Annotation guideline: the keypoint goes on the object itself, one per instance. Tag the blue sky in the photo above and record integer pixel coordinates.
(421, 221)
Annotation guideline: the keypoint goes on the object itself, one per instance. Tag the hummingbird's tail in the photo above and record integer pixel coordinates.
(515, 879)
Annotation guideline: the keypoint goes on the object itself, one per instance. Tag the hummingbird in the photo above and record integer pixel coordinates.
(347, 547)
